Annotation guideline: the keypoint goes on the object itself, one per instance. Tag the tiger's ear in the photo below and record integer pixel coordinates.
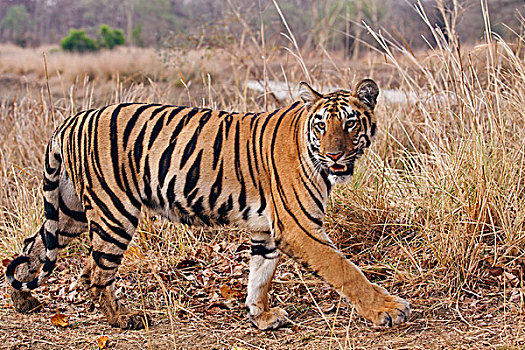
(366, 91)
(308, 94)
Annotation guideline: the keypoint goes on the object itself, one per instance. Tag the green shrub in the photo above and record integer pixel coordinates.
(78, 41)
(109, 38)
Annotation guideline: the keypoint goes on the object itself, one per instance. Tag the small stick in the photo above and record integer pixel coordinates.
(49, 90)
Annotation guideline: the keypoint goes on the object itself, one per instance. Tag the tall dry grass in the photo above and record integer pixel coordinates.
(437, 201)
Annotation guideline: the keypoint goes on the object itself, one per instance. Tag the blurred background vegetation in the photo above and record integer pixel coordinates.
(327, 24)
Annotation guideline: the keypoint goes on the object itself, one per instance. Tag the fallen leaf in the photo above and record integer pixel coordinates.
(215, 308)
(495, 271)
(59, 320)
(5, 262)
(102, 341)
(186, 264)
(228, 293)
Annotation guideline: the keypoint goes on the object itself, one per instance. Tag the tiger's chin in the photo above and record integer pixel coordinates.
(340, 174)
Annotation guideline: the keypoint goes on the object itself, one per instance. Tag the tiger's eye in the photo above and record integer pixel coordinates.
(350, 125)
(320, 125)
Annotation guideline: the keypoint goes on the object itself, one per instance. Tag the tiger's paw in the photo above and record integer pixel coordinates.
(387, 310)
(131, 321)
(24, 302)
(271, 319)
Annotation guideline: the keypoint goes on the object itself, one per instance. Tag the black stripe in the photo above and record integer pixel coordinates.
(112, 258)
(254, 144)
(217, 146)
(238, 171)
(263, 200)
(138, 145)
(102, 286)
(315, 220)
(258, 249)
(129, 192)
(180, 208)
(96, 228)
(236, 153)
(246, 214)
(192, 177)
(48, 267)
(216, 188)
(117, 203)
(11, 268)
(249, 163)
(224, 209)
(131, 121)
(192, 143)
(165, 159)
(228, 122)
(160, 197)
(50, 170)
(156, 129)
(50, 212)
(77, 215)
(192, 195)
(50, 240)
(171, 191)
(102, 206)
(113, 137)
(174, 112)
(50, 185)
(33, 284)
(146, 182)
(69, 234)
(165, 162)
(133, 174)
(312, 195)
(198, 209)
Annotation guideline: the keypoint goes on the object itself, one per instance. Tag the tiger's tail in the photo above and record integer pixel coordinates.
(49, 230)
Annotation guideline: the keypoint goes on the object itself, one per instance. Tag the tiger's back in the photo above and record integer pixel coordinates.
(196, 166)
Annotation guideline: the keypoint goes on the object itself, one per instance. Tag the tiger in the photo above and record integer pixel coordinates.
(268, 173)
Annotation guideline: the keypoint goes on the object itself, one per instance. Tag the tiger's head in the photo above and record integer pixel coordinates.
(340, 126)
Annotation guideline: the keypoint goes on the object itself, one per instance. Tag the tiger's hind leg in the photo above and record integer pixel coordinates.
(72, 222)
(109, 242)
(35, 252)
(264, 260)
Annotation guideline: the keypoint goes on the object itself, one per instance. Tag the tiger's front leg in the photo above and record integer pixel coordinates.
(317, 251)
(263, 263)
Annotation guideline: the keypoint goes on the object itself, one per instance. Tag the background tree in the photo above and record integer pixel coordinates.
(316, 24)
(16, 24)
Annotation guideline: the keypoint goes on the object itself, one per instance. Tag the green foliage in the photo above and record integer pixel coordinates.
(16, 22)
(78, 41)
(109, 38)
(15, 19)
(136, 36)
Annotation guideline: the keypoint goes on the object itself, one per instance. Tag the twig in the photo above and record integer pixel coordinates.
(49, 90)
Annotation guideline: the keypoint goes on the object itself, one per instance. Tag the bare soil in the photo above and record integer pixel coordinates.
(208, 315)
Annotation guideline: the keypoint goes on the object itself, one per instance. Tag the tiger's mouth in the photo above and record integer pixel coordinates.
(341, 169)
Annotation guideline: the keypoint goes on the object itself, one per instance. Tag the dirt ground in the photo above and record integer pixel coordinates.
(481, 321)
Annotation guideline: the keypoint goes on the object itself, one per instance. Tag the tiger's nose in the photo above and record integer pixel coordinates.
(334, 156)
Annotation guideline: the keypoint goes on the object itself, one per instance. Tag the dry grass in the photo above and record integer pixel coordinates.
(435, 211)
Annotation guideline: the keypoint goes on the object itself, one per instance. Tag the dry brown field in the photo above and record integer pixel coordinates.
(435, 212)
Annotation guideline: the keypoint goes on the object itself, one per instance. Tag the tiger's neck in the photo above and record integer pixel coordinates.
(309, 165)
